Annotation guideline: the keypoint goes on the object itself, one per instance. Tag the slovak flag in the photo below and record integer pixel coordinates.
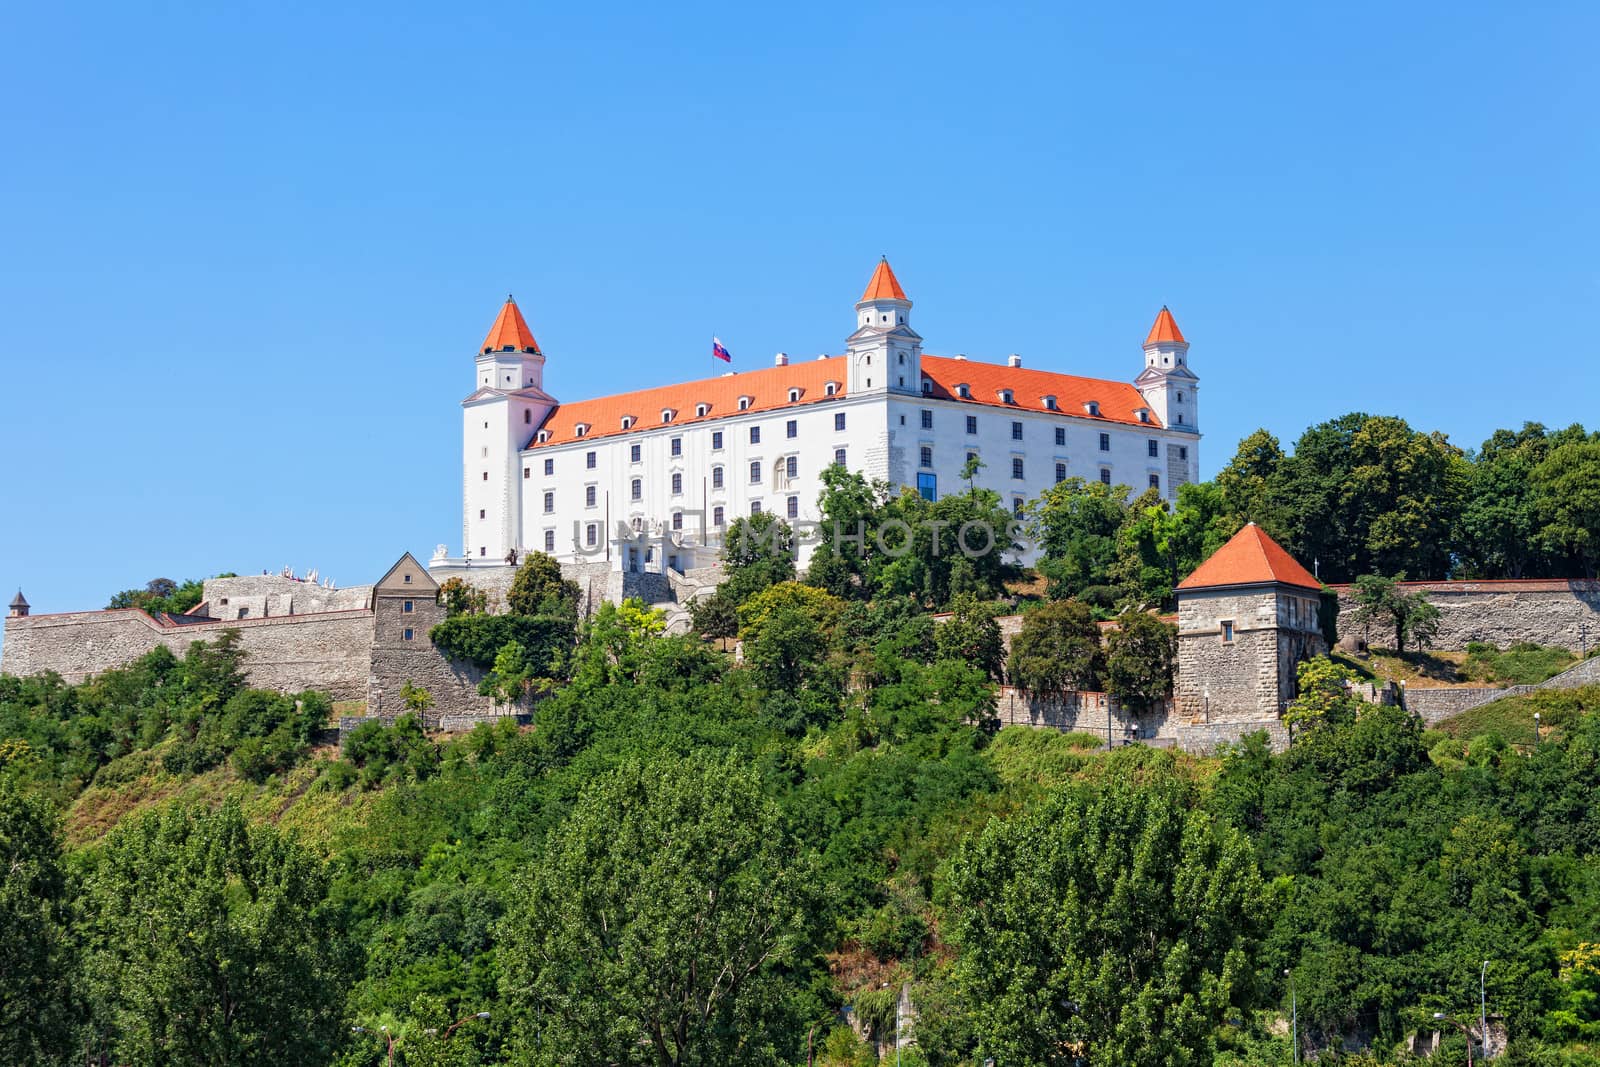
(719, 352)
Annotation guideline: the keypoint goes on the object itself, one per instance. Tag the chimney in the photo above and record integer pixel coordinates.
(1013, 360)
(781, 359)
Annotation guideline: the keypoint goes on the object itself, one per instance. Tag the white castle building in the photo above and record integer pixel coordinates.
(648, 480)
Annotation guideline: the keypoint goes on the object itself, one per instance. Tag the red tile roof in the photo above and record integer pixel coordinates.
(769, 388)
(1165, 330)
(1250, 558)
(1118, 401)
(884, 285)
(510, 329)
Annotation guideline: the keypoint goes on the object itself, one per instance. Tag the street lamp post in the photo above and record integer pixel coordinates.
(1536, 731)
(387, 1037)
(1205, 694)
(1294, 1015)
(1441, 1017)
(1483, 1008)
(465, 1018)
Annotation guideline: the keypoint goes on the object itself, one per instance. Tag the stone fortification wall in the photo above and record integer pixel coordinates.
(1205, 738)
(327, 651)
(271, 595)
(1559, 612)
(1084, 712)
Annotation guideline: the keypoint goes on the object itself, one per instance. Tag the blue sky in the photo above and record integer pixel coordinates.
(246, 255)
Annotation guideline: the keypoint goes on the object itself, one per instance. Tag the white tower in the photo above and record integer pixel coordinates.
(498, 420)
(1170, 388)
(885, 352)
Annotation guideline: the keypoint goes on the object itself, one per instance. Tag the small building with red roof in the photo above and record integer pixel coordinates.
(1247, 617)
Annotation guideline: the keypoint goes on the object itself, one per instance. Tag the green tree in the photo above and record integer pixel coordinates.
(35, 951)
(162, 595)
(1075, 524)
(1387, 603)
(662, 926)
(971, 635)
(1252, 483)
(1141, 658)
(1323, 695)
(539, 589)
(459, 597)
(1567, 498)
(757, 553)
(1110, 925)
(508, 681)
(1056, 650)
(207, 942)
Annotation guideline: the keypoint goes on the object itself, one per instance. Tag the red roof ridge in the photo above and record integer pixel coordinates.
(1250, 558)
(510, 330)
(1165, 330)
(884, 285)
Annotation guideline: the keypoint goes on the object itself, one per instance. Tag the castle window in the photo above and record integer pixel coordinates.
(482, 551)
(633, 453)
(1005, 396)
(409, 635)
(589, 460)
(794, 507)
(485, 475)
(831, 388)
(1183, 452)
(588, 496)
(1180, 396)
(755, 435)
(636, 489)
(527, 472)
(677, 520)
(963, 392)
(407, 580)
(1226, 625)
(1017, 505)
(408, 606)
(716, 477)
(755, 472)
(1061, 473)
(581, 429)
(1061, 437)
(549, 503)
(544, 435)
(926, 456)
(549, 540)
(527, 418)
(792, 428)
(927, 485)
(549, 467)
(1105, 475)
(1105, 442)
(1050, 403)
(972, 424)
(716, 440)
(1155, 481)
(927, 387)
(667, 414)
(927, 419)
(716, 515)
(791, 466)
(902, 359)
(676, 446)
(1016, 466)
(590, 535)
(244, 613)
(744, 403)
(1092, 407)
(701, 410)
(794, 395)
(481, 514)
(677, 483)
(838, 457)
(838, 420)
(1153, 448)
(755, 507)
(1016, 431)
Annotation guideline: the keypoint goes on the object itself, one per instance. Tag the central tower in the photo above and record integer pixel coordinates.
(885, 352)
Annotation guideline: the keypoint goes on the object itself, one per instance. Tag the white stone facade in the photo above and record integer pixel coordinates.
(678, 463)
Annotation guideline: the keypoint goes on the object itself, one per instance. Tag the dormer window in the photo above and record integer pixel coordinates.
(927, 387)
(627, 422)
(963, 392)
(581, 429)
(794, 396)
(831, 388)
(702, 410)
(1049, 403)
(1092, 407)
(544, 435)
(1005, 396)
(744, 402)
(1143, 413)
(667, 414)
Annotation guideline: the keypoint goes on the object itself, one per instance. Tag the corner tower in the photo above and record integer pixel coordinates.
(885, 352)
(1170, 388)
(499, 418)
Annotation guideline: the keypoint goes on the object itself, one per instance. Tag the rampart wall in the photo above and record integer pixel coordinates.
(1564, 613)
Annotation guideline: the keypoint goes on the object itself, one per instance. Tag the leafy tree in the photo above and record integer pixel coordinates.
(547, 640)
(1056, 650)
(416, 699)
(1567, 499)
(662, 925)
(1110, 925)
(972, 636)
(757, 553)
(508, 681)
(460, 597)
(1141, 658)
(1385, 602)
(539, 589)
(1323, 695)
(1252, 484)
(35, 949)
(207, 941)
(162, 595)
(1075, 524)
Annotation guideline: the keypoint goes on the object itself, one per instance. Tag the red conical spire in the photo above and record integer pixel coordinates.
(1165, 330)
(1250, 558)
(510, 330)
(884, 285)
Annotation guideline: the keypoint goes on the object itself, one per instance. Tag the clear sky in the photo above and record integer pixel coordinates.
(247, 251)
